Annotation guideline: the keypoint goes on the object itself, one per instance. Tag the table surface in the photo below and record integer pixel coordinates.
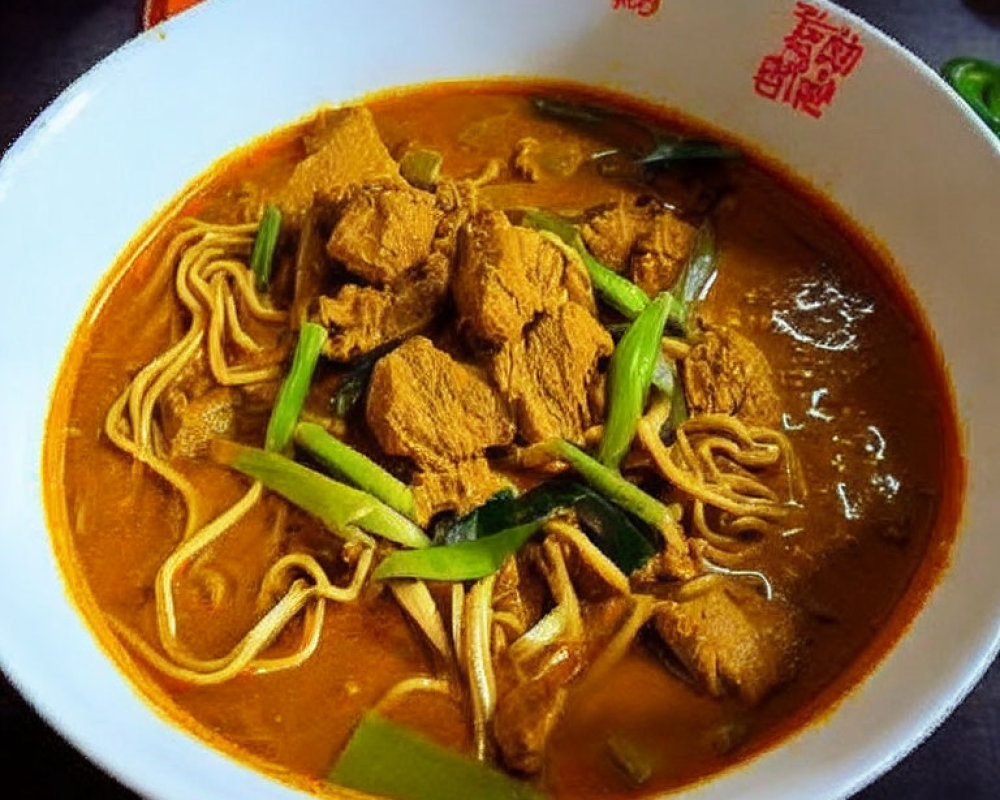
(45, 44)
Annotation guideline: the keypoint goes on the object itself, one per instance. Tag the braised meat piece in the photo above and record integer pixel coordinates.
(725, 373)
(645, 240)
(347, 151)
(547, 375)
(460, 488)
(362, 318)
(730, 638)
(384, 231)
(425, 405)
(528, 711)
(505, 275)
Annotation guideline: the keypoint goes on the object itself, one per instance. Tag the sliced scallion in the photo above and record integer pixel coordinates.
(355, 467)
(388, 760)
(612, 485)
(341, 508)
(262, 257)
(462, 561)
(629, 376)
(292, 394)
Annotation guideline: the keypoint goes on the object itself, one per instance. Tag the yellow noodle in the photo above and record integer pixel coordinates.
(408, 686)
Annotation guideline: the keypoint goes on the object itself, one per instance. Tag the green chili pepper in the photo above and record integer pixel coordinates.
(461, 561)
(629, 375)
(356, 467)
(341, 508)
(292, 394)
(262, 257)
(978, 83)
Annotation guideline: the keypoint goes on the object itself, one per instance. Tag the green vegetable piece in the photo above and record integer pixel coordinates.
(612, 485)
(620, 293)
(292, 394)
(606, 525)
(669, 149)
(629, 376)
(357, 468)
(386, 759)
(340, 507)
(462, 561)
(498, 513)
(262, 257)
(977, 81)
(354, 383)
(421, 167)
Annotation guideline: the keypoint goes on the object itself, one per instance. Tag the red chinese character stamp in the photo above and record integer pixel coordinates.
(816, 56)
(644, 8)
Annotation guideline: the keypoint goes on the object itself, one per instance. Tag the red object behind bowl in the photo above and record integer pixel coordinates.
(155, 11)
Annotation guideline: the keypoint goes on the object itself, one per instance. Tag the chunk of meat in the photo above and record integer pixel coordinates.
(362, 318)
(505, 275)
(528, 712)
(425, 405)
(725, 373)
(548, 375)
(189, 423)
(384, 231)
(460, 488)
(347, 151)
(646, 240)
(730, 638)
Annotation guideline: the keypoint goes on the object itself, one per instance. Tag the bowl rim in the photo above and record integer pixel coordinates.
(86, 738)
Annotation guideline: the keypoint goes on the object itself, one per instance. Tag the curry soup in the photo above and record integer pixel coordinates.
(679, 442)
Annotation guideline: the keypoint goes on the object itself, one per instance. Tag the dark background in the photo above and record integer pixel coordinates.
(45, 44)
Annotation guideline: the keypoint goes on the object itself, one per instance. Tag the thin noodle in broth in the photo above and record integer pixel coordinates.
(208, 280)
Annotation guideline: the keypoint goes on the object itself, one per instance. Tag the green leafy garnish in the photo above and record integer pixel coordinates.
(669, 149)
(608, 526)
(496, 514)
(571, 112)
(355, 381)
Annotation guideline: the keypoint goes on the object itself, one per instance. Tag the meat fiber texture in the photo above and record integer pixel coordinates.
(725, 373)
(442, 414)
(547, 375)
(506, 275)
(348, 151)
(731, 639)
(646, 241)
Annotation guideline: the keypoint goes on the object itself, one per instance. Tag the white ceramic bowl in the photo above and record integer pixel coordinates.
(892, 147)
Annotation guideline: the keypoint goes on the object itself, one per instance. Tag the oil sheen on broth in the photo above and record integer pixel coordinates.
(814, 456)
